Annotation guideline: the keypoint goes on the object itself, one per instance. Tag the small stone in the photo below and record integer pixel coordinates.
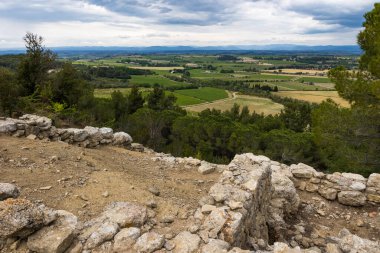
(154, 190)
(31, 137)
(46, 188)
(168, 219)
(360, 223)
(105, 194)
(151, 203)
(206, 209)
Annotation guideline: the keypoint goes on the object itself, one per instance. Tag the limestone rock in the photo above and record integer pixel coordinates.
(43, 123)
(55, 238)
(8, 191)
(302, 171)
(7, 126)
(238, 250)
(352, 243)
(216, 246)
(351, 198)
(328, 193)
(20, 218)
(79, 135)
(206, 168)
(374, 180)
(107, 133)
(149, 242)
(126, 214)
(125, 239)
(121, 139)
(332, 248)
(104, 233)
(186, 242)
(214, 223)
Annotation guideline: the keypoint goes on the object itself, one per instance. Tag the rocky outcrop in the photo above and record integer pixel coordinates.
(240, 209)
(33, 126)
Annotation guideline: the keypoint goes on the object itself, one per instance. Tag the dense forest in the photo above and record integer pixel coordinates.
(326, 136)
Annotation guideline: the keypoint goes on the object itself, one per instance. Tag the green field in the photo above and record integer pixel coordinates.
(206, 94)
(184, 97)
(154, 79)
(315, 79)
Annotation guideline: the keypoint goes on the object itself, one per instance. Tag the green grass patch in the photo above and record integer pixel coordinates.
(206, 93)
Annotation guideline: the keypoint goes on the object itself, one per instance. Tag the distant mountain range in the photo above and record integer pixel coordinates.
(285, 48)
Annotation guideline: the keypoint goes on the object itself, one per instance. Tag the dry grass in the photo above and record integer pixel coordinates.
(314, 96)
(154, 68)
(304, 71)
(257, 104)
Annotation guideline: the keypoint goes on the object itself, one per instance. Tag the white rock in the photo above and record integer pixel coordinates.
(186, 242)
(206, 168)
(358, 186)
(351, 198)
(8, 191)
(106, 132)
(353, 176)
(7, 126)
(121, 138)
(125, 239)
(55, 238)
(302, 171)
(216, 246)
(149, 242)
(374, 180)
(104, 233)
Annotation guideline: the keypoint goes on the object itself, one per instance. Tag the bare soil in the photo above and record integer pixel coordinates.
(75, 179)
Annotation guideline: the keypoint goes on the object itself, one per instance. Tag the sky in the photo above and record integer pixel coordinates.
(182, 22)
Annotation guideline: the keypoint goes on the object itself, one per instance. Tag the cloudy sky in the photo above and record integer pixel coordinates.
(182, 22)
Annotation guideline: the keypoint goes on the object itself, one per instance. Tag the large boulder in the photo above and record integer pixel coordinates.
(8, 191)
(186, 242)
(351, 198)
(149, 242)
(55, 238)
(20, 218)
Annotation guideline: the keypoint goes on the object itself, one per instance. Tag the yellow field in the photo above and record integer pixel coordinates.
(304, 71)
(154, 68)
(257, 104)
(314, 96)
